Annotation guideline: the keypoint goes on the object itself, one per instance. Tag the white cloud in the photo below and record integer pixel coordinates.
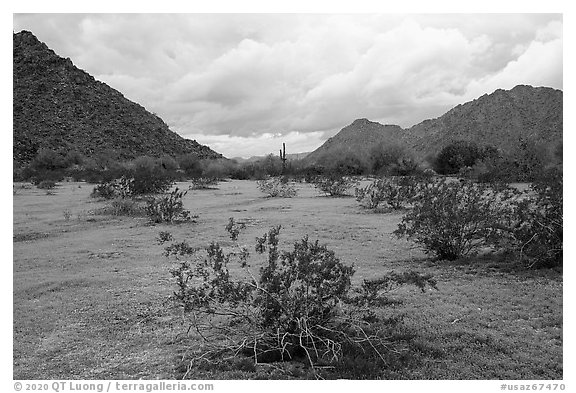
(260, 145)
(237, 78)
(539, 64)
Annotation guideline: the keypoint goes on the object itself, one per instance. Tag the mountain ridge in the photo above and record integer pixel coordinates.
(501, 118)
(60, 107)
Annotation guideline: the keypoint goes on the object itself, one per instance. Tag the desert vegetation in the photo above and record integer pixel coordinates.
(138, 254)
(298, 306)
(277, 187)
(323, 292)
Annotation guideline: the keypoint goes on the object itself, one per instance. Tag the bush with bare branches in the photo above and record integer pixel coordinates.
(298, 306)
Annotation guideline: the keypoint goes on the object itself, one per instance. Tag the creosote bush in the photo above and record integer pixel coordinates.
(46, 185)
(203, 183)
(106, 190)
(168, 208)
(334, 185)
(537, 234)
(298, 305)
(396, 192)
(233, 228)
(122, 207)
(452, 219)
(277, 187)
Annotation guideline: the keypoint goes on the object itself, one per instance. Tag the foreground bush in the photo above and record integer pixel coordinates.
(277, 187)
(537, 235)
(453, 219)
(299, 306)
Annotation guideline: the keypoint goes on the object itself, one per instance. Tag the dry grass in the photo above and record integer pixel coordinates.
(90, 292)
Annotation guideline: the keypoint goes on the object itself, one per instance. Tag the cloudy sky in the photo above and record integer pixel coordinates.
(245, 83)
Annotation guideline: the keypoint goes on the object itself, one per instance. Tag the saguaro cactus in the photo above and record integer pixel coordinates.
(283, 156)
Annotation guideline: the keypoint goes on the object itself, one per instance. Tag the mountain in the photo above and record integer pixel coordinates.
(357, 139)
(60, 107)
(499, 119)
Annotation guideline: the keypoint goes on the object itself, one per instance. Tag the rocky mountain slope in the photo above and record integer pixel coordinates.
(499, 119)
(356, 139)
(60, 107)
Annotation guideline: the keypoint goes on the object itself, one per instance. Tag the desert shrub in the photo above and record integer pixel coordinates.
(334, 185)
(529, 160)
(271, 165)
(149, 177)
(203, 183)
(311, 173)
(215, 169)
(47, 159)
(396, 192)
(452, 219)
(242, 172)
(190, 164)
(168, 208)
(116, 188)
(145, 178)
(122, 207)
(385, 155)
(74, 157)
(392, 160)
(277, 187)
(346, 164)
(233, 228)
(495, 169)
(46, 185)
(298, 306)
(537, 235)
(525, 162)
(36, 176)
(106, 190)
(168, 163)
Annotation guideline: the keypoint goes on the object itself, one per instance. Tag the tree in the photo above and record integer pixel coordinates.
(455, 156)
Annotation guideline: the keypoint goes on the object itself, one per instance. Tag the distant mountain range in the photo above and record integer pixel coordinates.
(60, 107)
(289, 157)
(500, 119)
